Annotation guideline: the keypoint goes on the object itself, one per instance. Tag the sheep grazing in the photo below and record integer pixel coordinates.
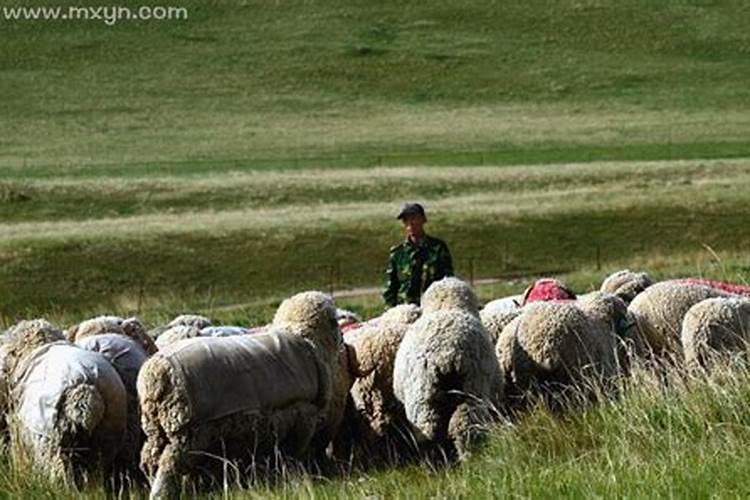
(715, 330)
(130, 327)
(176, 333)
(611, 313)
(182, 332)
(178, 329)
(495, 320)
(126, 356)
(626, 284)
(558, 350)
(445, 373)
(660, 309)
(194, 320)
(69, 405)
(244, 396)
(376, 419)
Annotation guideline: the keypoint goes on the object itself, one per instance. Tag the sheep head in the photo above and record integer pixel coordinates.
(311, 315)
(626, 284)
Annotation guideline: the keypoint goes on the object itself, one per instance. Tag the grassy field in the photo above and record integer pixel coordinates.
(221, 163)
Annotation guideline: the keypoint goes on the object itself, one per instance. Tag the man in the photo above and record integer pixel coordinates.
(417, 262)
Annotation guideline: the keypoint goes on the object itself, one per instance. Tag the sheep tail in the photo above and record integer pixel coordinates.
(83, 407)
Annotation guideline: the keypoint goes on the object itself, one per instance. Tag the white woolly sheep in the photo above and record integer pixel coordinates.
(69, 405)
(626, 284)
(660, 309)
(246, 394)
(377, 421)
(716, 329)
(130, 327)
(445, 372)
(557, 346)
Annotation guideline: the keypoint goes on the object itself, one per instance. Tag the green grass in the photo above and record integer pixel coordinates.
(687, 440)
(166, 243)
(287, 82)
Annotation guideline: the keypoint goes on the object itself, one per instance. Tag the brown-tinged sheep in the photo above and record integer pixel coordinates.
(377, 422)
(244, 395)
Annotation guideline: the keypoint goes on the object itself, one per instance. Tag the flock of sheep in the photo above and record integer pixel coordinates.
(106, 395)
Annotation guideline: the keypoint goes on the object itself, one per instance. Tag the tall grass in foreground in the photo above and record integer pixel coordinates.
(675, 435)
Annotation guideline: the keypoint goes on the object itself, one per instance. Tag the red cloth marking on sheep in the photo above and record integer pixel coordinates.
(718, 285)
(547, 289)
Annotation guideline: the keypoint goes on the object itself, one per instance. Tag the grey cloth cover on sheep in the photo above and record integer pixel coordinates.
(125, 354)
(49, 371)
(228, 375)
(223, 331)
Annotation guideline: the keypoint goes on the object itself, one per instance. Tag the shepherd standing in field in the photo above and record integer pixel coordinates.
(417, 262)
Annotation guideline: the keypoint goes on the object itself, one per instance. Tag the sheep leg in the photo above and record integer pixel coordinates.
(166, 484)
(468, 427)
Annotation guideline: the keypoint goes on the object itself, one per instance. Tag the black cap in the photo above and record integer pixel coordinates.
(411, 209)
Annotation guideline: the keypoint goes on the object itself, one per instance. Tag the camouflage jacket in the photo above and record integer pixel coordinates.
(411, 269)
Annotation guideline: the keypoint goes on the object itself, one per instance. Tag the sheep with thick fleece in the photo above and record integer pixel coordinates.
(245, 394)
(626, 284)
(611, 312)
(716, 329)
(377, 420)
(445, 372)
(130, 327)
(69, 405)
(660, 309)
(557, 346)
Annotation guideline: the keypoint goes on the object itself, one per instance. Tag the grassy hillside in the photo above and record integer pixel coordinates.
(299, 79)
(149, 244)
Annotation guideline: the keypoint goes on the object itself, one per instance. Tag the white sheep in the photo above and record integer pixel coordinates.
(445, 373)
(69, 405)
(660, 309)
(716, 329)
(558, 350)
(246, 394)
